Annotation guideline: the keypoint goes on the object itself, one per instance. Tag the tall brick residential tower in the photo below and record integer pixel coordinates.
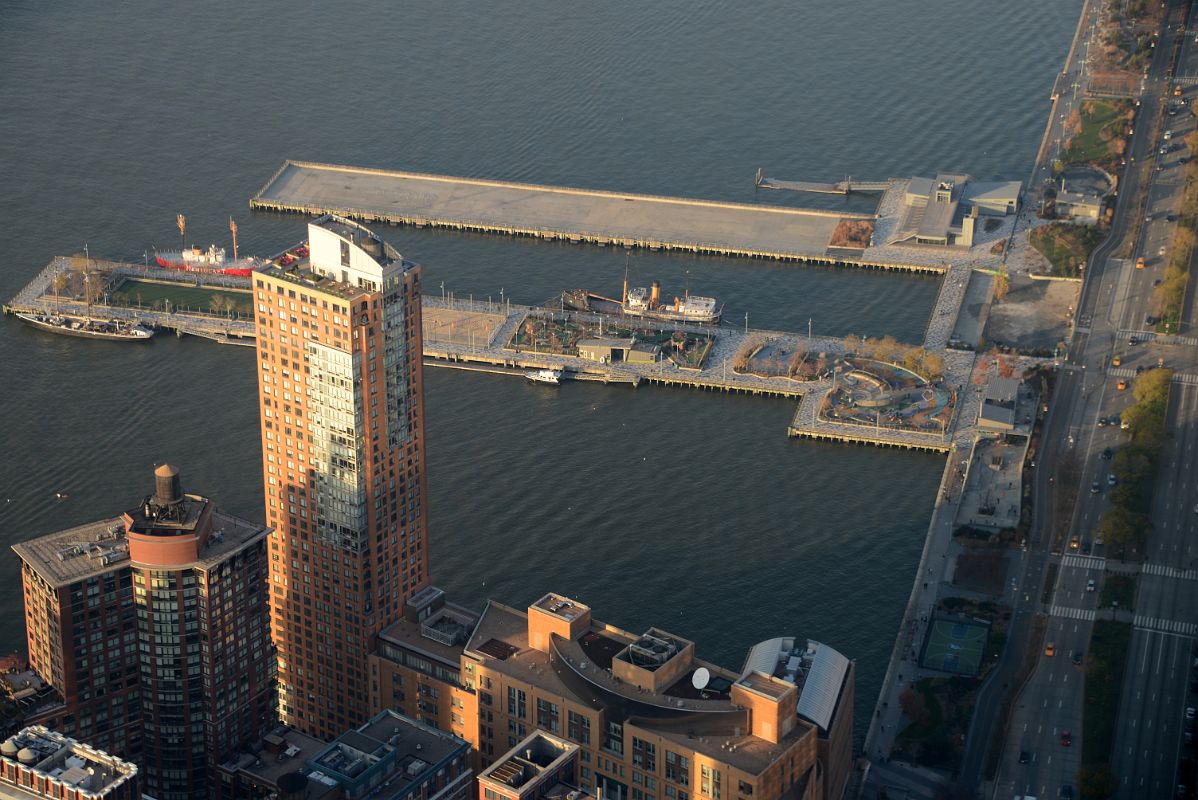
(153, 626)
(341, 398)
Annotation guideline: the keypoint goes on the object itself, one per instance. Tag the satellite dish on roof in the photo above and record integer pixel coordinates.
(700, 678)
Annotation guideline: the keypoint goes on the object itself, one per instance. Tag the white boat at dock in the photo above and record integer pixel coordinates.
(550, 376)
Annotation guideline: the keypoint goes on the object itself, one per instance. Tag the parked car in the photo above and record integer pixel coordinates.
(1111, 480)
(1108, 454)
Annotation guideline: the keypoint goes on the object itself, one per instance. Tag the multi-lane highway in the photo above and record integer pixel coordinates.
(1113, 320)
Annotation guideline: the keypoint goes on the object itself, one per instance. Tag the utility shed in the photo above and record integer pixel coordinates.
(644, 353)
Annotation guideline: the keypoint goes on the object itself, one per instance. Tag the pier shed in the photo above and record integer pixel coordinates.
(606, 350)
(997, 412)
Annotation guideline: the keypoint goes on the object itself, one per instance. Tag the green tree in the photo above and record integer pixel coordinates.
(1123, 527)
(1096, 782)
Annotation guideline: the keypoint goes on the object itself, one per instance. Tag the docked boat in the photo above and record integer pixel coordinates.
(641, 302)
(88, 328)
(214, 259)
(550, 376)
(647, 304)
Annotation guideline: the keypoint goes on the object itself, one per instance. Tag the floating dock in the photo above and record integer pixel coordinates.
(565, 214)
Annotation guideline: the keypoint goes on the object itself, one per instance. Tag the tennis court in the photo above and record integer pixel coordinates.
(955, 645)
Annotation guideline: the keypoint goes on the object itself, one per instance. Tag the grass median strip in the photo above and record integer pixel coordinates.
(1171, 293)
(1105, 664)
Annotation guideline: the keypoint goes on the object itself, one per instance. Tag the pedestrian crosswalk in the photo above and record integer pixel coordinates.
(1085, 562)
(1166, 625)
(1159, 338)
(1170, 572)
(1066, 612)
(1178, 377)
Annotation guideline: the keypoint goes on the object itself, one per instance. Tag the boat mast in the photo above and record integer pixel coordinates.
(624, 297)
(233, 230)
(181, 224)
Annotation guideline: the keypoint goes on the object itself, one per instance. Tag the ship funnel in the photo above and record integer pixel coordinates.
(167, 489)
(655, 297)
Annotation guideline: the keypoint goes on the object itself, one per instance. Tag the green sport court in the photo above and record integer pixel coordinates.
(956, 646)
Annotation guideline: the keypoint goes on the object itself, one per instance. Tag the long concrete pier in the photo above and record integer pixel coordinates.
(564, 213)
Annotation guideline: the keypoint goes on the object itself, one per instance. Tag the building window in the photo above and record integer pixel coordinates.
(711, 782)
(516, 702)
(745, 787)
(644, 755)
(548, 716)
(614, 741)
(678, 768)
(580, 728)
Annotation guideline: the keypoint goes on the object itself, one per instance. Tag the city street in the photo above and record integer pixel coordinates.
(1113, 322)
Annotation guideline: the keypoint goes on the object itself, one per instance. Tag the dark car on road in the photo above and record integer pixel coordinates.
(1066, 738)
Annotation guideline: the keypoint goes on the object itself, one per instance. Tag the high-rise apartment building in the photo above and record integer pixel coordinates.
(341, 385)
(154, 627)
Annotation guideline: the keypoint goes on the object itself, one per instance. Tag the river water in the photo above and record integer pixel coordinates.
(662, 507)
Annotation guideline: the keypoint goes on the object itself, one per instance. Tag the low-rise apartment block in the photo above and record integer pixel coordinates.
(38, 763)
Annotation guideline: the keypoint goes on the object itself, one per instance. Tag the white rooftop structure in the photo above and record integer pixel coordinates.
(817, 670)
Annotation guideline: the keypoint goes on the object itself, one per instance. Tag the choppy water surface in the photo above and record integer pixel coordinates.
(688, 511)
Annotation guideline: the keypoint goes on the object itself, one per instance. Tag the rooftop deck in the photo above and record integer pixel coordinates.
(84, 551)
(671, 223)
